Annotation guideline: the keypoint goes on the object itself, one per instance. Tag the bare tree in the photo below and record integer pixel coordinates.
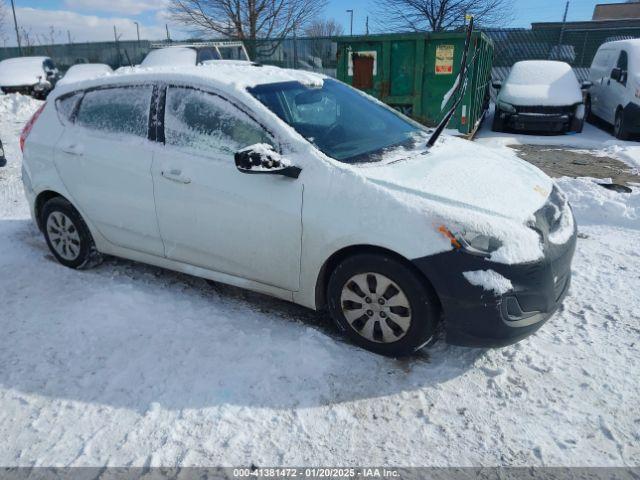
(439, 15)
(324, 28)
(246, 19)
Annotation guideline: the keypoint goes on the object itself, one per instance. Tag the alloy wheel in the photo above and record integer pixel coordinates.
(376, 307)
(63, 235)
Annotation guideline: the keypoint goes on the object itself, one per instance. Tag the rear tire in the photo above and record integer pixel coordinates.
(619, 129)
(68, 236)
(382, 305)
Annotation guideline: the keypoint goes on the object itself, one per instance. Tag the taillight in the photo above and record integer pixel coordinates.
(29, 126)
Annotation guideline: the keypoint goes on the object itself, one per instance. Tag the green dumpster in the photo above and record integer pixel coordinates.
(413, 73)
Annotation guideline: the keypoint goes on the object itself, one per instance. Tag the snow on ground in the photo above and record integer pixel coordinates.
(132, 365)
(594, 139)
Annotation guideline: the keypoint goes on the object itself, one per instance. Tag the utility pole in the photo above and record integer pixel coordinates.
(564, 23)
(351, 29)
(15, 23)
(166, 25)
(69, 36)
(367, 24)
(138, 30)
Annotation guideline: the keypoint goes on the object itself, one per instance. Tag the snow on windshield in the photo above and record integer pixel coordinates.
(540, 82)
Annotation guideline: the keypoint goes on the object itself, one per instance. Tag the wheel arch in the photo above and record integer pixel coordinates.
(42, 198)
(336, 258)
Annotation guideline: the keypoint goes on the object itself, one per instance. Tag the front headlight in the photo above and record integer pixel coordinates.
(472, 242)
(506, 107)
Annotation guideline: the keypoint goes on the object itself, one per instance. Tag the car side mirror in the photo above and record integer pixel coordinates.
(586, 85)
(263, 159)
(616, 74)
(497, 85)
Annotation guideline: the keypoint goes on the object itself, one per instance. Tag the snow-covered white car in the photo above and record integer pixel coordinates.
(189, 54)
(540, 96)
(295, 185)
(85, 71)
(615, 95)
(35, 76)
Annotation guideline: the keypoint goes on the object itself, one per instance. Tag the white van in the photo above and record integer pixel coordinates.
(615, 94)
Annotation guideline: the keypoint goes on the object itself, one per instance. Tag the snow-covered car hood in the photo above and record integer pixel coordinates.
(460, 173)
(541, 82)
(18, 72)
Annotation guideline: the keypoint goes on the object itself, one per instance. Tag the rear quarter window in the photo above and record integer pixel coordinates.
(66, 107)
(118, 110)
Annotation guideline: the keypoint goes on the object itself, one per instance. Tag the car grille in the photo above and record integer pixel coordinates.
(545, 110)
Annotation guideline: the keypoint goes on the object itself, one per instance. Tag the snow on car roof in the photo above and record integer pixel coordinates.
(230, 75)
(176, 56)
(85, 71)
(21, 71)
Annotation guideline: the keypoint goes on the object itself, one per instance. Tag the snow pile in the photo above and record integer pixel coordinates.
(17, 72)
(17, 108)
(540, 82)
(595, 205)
(490, 280)
(131, 365)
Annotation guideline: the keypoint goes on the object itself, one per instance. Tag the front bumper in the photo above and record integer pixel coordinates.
(476, 317)
(539, 122)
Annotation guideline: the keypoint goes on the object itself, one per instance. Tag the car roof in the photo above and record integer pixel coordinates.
(9, 61)
(232, 76)
(630, 44)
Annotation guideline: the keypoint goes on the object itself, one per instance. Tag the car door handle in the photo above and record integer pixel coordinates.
(73, 149)
(176, 176)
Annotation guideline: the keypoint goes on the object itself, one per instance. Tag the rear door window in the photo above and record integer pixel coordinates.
(206, 124)
(119, 110)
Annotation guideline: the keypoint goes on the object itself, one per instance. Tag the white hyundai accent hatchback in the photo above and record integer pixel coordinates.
(298, 186)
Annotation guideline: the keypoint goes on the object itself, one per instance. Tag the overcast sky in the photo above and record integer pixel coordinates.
(93, 20)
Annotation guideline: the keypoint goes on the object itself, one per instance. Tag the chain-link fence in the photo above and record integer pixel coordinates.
(115, 54)
(574, 46)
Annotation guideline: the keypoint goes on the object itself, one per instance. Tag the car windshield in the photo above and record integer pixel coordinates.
(339, 121)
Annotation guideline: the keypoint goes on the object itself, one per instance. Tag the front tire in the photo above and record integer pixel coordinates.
(68, 236)
(619, 128)
(498, 122)
(382, 305)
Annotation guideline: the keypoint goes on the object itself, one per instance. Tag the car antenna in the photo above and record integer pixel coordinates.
(458, 93)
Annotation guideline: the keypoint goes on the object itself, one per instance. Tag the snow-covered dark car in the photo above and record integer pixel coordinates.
(540, 96)
(35, 76)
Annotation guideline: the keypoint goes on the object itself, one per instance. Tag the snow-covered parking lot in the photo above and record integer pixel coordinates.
(130, 365)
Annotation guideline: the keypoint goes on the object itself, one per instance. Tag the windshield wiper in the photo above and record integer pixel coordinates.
(461, 86)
